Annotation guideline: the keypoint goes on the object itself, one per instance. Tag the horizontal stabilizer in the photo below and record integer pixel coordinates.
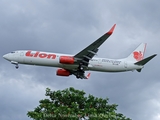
(139, 70)
(144, 61)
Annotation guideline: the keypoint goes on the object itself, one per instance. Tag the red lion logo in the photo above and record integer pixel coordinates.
(138, 55)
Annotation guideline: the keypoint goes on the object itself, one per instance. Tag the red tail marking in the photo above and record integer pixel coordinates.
(138, 55)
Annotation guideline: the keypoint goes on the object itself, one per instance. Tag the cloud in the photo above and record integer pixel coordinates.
(18, 95)
(68, 27)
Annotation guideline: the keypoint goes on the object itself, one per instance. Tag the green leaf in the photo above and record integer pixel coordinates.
(72, 104)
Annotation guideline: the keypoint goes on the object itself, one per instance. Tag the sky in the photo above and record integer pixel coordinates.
(68, 26)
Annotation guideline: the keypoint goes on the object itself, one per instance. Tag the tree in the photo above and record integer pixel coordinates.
(72, 104)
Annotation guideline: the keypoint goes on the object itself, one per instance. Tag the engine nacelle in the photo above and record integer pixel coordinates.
(63, 72)
(66, 59)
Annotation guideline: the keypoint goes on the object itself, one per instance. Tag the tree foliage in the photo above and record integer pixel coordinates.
(72, 104)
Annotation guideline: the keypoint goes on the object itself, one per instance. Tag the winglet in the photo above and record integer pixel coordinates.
(111, 30)
(88, 75)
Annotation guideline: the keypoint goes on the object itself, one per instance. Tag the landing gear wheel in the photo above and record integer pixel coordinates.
(80, 66)
(17, 66)
(78, 76)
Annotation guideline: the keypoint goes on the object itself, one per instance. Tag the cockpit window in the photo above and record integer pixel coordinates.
(13, 52)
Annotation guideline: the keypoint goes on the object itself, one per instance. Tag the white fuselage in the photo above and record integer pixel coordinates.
(52, 60)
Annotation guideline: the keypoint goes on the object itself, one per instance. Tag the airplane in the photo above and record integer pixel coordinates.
(83, 61)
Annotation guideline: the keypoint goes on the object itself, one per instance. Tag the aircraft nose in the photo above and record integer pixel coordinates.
(5, 56)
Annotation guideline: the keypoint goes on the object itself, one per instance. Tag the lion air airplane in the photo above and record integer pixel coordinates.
(82, 61)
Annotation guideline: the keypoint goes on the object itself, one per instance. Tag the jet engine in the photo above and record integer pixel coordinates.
(66, 59)
(63, 72)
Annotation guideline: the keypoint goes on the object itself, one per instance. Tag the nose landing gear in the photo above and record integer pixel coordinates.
(17, 66)
(15, 63)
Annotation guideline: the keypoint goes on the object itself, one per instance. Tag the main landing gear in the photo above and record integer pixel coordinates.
(80, 68)
(80, 71)
(80, 74)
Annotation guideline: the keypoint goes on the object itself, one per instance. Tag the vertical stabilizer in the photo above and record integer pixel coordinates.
(138, 53)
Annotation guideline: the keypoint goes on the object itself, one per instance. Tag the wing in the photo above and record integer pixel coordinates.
(83, 57)
(88, 53)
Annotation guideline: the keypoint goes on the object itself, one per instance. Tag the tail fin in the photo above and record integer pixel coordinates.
(138, 53)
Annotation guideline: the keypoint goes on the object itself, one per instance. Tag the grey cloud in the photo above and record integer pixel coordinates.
(68, 27)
